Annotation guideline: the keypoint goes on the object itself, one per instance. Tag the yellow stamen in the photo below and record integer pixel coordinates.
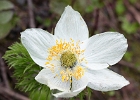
(69, 55)
(77, 73)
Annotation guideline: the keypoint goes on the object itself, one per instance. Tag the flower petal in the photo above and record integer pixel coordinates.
(104, 49)
(96, 66)
(69, 94)
(71, 25)
(77, 87)
(105, 80)
(49, 78)
(37, 42)
(76, 84)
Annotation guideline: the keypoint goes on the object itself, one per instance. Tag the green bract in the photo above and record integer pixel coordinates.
(25, 70)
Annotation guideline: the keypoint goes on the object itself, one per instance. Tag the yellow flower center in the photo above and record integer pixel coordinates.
(68, 59)
(69, 55)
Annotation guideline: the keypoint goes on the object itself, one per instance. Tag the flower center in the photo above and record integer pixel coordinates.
(69, 56)
(68, 59)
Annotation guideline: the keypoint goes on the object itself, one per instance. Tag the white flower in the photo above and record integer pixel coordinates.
(71, 61)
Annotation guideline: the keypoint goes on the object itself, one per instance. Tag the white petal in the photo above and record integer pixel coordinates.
(71, 25)
(77, 84)
(69, 94)
(47, 77)
(77, 87)
(96, 66)
(104, 49)
(37, 42)
(105, 80)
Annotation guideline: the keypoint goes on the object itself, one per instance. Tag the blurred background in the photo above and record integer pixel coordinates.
(100, 15)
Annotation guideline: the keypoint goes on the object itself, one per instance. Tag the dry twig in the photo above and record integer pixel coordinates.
(3, 73)
(96, 17)
(129, 65)
(11, 93)
(5, 89)
(134, 12)
(31, 14)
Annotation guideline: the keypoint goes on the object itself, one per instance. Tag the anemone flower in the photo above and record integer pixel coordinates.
(71, 60)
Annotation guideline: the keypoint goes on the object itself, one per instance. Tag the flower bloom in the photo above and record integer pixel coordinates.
(71, 61)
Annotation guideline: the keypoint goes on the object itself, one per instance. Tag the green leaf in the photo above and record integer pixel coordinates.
(4, 29)
(120, 8)
(128, 56)
(111, 93)
(43, 94)
(57, 6)
(133, 1)
(130, 28)
(89, 8)
(89, 93)
(5, 16)
(4, 5)
(25, 71)
(47, 22)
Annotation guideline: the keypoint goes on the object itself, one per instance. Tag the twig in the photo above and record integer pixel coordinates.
(125, 95)
(72, 2)
(96, 18)
(31, 14)
(129, 65)
(3, 72)
(135, 13)
(9, 92)
(110, 10)
(99, 95)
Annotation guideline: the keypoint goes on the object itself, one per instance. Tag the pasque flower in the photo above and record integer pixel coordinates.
(71, 60)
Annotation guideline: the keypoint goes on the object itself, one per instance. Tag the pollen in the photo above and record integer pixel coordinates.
(77, 73)
(68, 59)
(68, 55)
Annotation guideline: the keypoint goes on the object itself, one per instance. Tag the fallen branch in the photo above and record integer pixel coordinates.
(3, 72)
(96, 19)
(31, 14)
(135, 13)
(11, 93)
(129, 65)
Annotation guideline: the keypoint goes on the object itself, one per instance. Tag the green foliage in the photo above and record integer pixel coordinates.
(128, 27)
(43, 94)
(5, 28)
(133, 1)
(57, 6)
(128, 56)
(25, 71)
(120, 8)
(111, 93)
(89, 92)
(46, 22)
(5, 16)
(89, 8)
(4, 5)
(7, 20)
